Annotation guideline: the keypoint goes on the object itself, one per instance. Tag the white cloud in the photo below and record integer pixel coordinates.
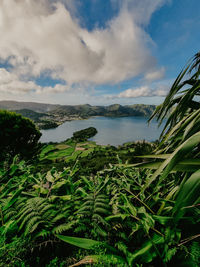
(10, 84)
(155, 75)
(131, 93)
(143, 91)
(39, 36)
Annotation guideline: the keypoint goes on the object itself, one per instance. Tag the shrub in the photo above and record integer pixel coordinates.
(18, 135)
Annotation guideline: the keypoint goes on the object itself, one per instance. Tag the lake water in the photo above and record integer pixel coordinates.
(113, 131)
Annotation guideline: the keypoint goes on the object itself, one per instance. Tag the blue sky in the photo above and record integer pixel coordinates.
(94, 51)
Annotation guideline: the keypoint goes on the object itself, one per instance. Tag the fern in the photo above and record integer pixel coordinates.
(36, 213)
(92, 213)
(195, 252)
(63, 227)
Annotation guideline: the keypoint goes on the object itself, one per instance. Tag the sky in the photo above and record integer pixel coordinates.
(98, 52)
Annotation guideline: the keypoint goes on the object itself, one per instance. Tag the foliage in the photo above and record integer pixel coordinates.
(47, 124)
(84, 134)
(110, 207)
(18, 135)
(13, 253)
(180, 142)
(145, 213)
(89, 156)
(33, 115)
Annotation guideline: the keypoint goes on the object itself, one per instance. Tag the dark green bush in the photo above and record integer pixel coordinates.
(18, 135)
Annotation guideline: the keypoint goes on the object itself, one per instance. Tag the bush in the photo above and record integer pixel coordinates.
(18, 135)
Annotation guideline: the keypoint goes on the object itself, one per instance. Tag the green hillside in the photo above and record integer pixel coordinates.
(33, 115)
(79, 110)
(42, 120)
(117, 110)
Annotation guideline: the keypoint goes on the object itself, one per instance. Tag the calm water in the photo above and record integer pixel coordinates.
(113, 131)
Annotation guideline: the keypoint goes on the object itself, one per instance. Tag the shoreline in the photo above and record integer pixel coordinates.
(84, 118)
(114, 131)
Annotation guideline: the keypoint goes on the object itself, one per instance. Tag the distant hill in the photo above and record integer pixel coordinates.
(112, 110)
(33, 115)
(79, 110)
(49, 115)
(38, 107)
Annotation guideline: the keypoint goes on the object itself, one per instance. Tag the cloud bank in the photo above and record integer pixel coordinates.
(143, 91)
(10, 83)
(43, 37)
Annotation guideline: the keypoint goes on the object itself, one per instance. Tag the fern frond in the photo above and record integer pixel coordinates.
(100, 231)
(10, 214)
(63, 227)
(101, 205)
(58, 218)
(80, 228)
(99, 219)
(27, 218)
(32, 225)
(101, 211)
(43, 233)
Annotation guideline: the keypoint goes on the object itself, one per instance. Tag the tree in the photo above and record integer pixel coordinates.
(18, 135)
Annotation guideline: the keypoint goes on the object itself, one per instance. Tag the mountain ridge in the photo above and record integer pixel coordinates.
(97, 110)
(51, 115)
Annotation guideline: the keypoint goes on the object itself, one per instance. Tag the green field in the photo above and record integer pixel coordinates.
(68, 150)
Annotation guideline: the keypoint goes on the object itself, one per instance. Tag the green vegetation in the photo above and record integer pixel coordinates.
(116, 110)
(89, 156)
(84, 134)
(35, 116)
(47, 124)
(48, 116)
(136, 205)
(18, 135)
(42, 120)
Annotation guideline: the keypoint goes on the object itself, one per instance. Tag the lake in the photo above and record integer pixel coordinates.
(113, 131)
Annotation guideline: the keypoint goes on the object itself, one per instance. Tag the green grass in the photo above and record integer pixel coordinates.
(62, 146)
(73, 156)
(51, 152)
(60, 153)
(88, 145)
(46, 150)
(69, 142)
(67, 150)
(85, 153)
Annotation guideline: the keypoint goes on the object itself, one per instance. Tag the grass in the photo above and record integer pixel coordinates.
(73, 156)
(70, 142)
(85, 153)
(62, 146)
(60, 153)
(67, 150)
(46, 150)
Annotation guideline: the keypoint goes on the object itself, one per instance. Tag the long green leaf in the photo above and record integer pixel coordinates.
(13, 199)
(79, 242)
(147, 250)
(189, 193)
(166, 167)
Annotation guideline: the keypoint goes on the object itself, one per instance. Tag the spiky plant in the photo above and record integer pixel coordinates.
(177, 158)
